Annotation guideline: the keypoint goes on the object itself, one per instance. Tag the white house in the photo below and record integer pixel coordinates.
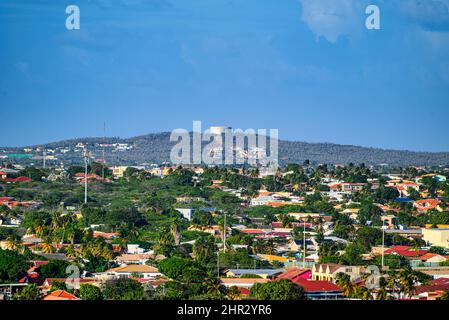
(139, 270)
(186, 213)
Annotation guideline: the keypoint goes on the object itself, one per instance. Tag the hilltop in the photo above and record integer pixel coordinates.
(155, 148)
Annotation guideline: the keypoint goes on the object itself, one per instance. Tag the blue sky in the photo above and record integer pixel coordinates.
(309, 68)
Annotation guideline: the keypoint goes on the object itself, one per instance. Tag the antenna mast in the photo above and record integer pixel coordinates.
(86, 161)
(44, 156)
(104, 141)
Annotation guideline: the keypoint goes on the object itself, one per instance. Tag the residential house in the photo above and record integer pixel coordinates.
(60, 295)
(425, 205)
(352, 187)
(134, 249)
(428, 260)
(242, 282)
(186, 199)
(406, 251)
(329, 271)
(135, 270)
(127, 258)
(263, 273)
(118, 171)
(187, 213)
(434, 272)
(432, 290)
(295, 273)
(436, 237)
(262, 201)
(318, 289)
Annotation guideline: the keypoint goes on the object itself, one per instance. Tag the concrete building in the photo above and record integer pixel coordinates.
(436, 237)
(186, 213)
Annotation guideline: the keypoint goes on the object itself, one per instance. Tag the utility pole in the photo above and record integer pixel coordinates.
(218, 264)
(304, 246)
(86, 160)
(104, 141)
(44, 157)
(383, 243)
(224, 234)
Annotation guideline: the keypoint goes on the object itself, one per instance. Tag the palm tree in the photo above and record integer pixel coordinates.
(233, 293)
(213, 286)
(47, 245)
(175, 232)
(382, 290)
(65, 221)
(70, 251)
(38, 230)
(13, 243)
(445, 296)
(366, 294)
(204, 248)
(392, 283)
(344, 281)
(407, 280)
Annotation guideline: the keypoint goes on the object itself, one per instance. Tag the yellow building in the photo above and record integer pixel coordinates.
(118, 171)
(436, 237)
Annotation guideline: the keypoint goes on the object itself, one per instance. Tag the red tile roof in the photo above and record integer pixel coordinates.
(405, 251)
(439, 281)
(19, 179)
(253, 231)
(428, 256)
(293, 273)
(31, 277)
(60, 295)
(426, 204)
(244, 291)
(317, 286)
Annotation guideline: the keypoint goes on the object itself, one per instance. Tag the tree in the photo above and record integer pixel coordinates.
(369, 212)
(445, 296)
(368, 237)
(33, 173)
(90, 292)
(233, 293)
(30, 292)
(123, 289)
(344, 281)
(407, 281)
(181, 269)
(328, 252)
(263, 246)
(439, 250)
(58, 285)
(392, 261)
(278, 290)
(382, 293)
(54, 269)
(13, 266)
(352, 255)
(239, 258)
(171, 290)
(204, 249)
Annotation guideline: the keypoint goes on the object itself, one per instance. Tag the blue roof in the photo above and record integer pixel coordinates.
(401, 200)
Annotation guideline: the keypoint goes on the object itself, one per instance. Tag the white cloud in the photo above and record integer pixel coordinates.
(334, 18)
